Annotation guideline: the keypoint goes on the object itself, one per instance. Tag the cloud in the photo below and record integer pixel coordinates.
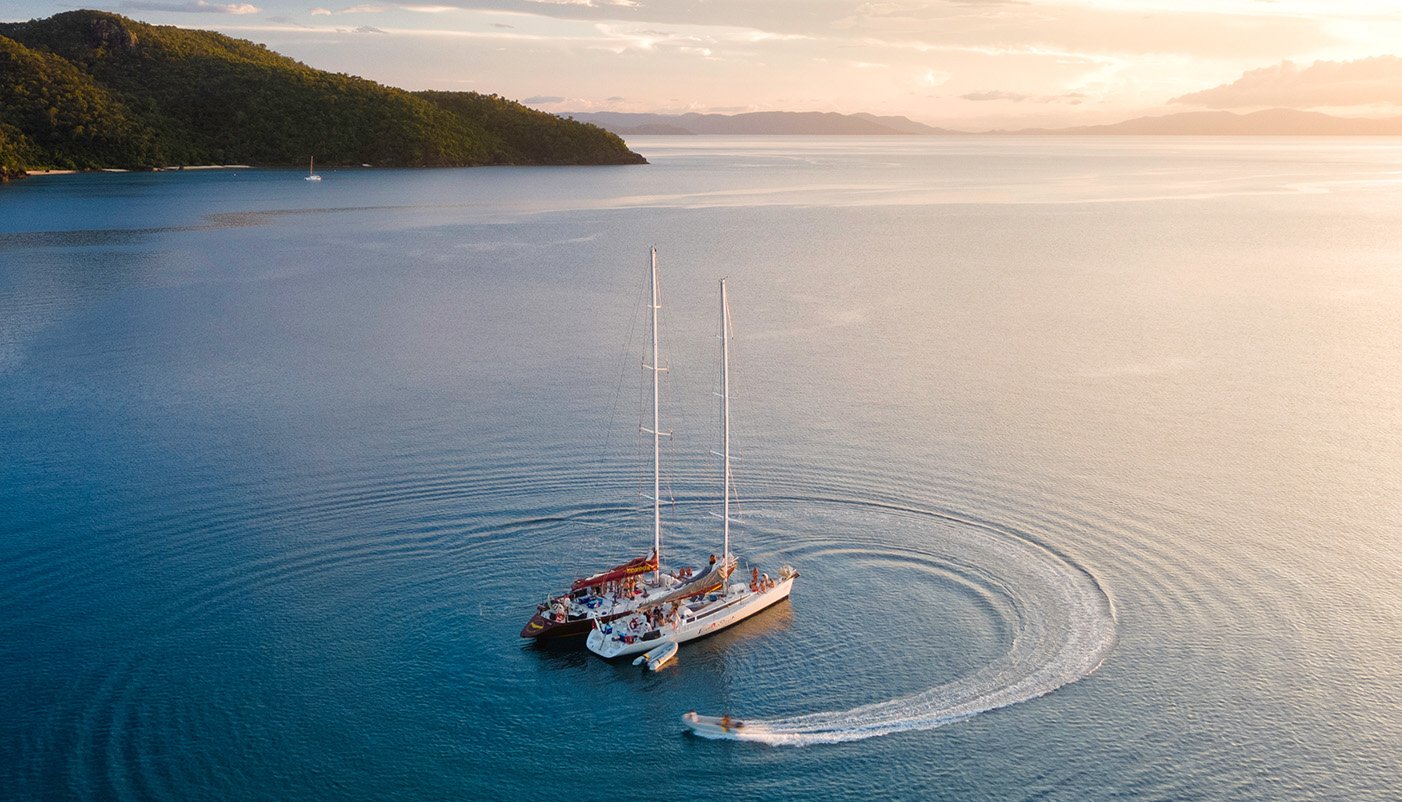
(995, 94)
(288, 21)
(1323, 83)
(363, 9)
(503, 25)
(623, 38)
(934, 78)
(194, 7)
(1044, 27)
(1073, 98)
(587, 3)
(542, 100)
(366, 29)
(321, 12)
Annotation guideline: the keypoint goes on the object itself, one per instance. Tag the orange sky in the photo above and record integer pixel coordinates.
(952, 62)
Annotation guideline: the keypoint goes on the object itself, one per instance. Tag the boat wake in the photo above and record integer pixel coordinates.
(1062, 629)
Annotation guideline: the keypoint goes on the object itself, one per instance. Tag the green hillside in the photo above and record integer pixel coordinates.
(89, 89)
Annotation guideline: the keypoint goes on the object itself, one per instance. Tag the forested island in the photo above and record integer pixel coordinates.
(91, 89)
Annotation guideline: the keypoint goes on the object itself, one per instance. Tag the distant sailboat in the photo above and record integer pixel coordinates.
(311, 171)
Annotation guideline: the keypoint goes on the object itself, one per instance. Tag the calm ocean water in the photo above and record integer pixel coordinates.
(1089, 450)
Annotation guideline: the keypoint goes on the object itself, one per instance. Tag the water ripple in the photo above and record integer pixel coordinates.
(1062, 622)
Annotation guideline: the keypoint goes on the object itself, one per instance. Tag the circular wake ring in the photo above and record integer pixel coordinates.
(1064, 629)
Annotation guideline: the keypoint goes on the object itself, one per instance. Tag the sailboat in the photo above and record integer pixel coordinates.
(625, 588)
(679, 619)
(311, 171)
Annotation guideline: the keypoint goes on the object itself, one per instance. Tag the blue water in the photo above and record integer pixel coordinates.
(1089, 451)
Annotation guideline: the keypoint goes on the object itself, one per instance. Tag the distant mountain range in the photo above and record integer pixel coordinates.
(1272, 122)
(759, 122)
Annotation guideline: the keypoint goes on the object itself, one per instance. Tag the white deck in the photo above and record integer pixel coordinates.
(698, 619)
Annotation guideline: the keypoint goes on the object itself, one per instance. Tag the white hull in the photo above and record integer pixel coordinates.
(658, 658)
(721, 726)
(697, 621)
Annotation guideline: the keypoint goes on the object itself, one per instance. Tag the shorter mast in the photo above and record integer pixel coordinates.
(725, 423)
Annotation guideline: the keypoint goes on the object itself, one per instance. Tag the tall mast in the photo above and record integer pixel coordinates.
(725, 419)
(657, 369)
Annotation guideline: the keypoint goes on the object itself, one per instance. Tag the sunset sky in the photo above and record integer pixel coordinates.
(956, 62)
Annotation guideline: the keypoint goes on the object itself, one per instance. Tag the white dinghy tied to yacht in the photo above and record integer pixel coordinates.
(679, 617)
(658, 657)
(625, 588)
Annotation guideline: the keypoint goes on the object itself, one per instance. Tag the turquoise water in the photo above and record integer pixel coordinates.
(1089, 450)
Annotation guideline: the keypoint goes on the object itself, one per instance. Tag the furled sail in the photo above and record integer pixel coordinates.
(704, 582)
(638, 565)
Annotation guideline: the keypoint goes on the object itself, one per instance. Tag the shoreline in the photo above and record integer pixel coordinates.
(172, 168)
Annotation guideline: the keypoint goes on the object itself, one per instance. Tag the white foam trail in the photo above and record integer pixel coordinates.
(1064, 630)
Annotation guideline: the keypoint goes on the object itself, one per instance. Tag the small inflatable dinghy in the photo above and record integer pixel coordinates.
(658, 657)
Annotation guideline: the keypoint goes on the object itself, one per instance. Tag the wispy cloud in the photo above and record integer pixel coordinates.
(194, 7)
(1073, 98)
(994, 94)
(1323, 83)
(1011, 63)
(586, 3)
(934, 78)
(621, 38)
(542, 100)
(425, 33)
